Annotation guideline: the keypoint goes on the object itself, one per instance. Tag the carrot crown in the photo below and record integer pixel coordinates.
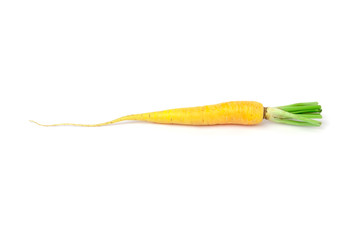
(302, 114)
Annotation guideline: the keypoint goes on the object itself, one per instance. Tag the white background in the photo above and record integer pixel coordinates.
(93, 61)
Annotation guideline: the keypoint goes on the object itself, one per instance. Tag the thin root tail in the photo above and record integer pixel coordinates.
(86, 125)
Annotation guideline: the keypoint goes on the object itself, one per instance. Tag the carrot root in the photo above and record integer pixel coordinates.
(237, 112)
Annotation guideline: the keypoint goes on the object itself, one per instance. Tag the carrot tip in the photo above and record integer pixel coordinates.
(34, 122)
(43, 125)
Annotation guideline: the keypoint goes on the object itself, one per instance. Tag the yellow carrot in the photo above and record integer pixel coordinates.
(236, 112)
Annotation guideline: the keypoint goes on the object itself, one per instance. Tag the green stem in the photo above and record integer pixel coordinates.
(301, 109)
(292, 122)
(301, 104)
(301, 114)
(318, 115)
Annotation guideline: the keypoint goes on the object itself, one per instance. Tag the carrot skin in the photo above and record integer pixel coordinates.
(236, 112)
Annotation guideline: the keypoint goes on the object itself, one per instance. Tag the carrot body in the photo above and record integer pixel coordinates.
(241, 112)
(237, 112)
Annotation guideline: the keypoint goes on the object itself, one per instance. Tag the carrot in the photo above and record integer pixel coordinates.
(236, 112)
